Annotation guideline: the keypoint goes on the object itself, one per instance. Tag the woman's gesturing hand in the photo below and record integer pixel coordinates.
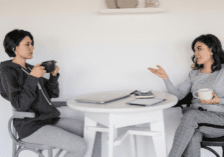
(159, 72)
(215, 100)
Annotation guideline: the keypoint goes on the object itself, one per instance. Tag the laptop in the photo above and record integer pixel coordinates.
(102, 98)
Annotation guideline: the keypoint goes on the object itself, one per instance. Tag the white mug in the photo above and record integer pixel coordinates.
(204, 94)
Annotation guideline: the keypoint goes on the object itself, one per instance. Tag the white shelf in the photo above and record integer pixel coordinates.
(132, 10)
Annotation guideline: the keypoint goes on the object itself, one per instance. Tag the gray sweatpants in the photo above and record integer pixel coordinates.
(189, 133)
(66, 134)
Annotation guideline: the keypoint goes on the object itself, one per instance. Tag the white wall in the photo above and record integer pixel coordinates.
(98, 52)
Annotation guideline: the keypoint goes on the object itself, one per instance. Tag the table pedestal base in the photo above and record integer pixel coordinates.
(114, 121)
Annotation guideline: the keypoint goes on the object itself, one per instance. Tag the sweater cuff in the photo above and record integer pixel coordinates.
(31, 82)
(221, 101)
(167, 80)
(54, 78)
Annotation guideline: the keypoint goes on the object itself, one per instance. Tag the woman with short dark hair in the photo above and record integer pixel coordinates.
(13, 38)
(203, 117)
(23, 85)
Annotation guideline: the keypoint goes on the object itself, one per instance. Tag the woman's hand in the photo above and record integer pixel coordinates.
(56, 70)
(159, 72)
(215, 100)
(38, 71)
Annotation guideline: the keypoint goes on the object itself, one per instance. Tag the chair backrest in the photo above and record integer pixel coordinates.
(29, 146)
(16, 114)
(13, 133)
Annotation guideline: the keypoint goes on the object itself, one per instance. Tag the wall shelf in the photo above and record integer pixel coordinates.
(131, 10)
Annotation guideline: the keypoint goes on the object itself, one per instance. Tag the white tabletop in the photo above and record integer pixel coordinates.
(121, 106)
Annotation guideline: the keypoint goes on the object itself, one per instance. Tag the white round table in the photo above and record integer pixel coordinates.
(119, 114)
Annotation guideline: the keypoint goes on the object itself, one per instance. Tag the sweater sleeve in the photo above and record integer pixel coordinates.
(52, 86)
(21, 97)
(221, 101)
(182, 90)
(221, 86)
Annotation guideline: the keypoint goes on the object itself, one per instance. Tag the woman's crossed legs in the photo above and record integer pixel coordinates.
(189, 133)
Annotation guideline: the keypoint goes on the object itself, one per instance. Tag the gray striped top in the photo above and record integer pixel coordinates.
(197, 80)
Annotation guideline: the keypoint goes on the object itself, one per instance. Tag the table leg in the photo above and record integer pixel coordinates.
(112, 136)
(133, 145)
(159, 141)
(89, 136)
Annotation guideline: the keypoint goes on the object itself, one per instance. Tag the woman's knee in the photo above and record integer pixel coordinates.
(72, 125)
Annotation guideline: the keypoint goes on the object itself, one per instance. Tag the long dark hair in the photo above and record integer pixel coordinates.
(13, 38)
(218, 55)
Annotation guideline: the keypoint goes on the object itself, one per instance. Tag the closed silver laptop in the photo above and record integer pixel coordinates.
(102, 98)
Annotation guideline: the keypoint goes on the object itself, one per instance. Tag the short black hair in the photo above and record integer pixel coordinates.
(13, 38)
(214, 43)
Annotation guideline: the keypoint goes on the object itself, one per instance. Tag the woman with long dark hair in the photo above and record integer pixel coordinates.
(203, 117)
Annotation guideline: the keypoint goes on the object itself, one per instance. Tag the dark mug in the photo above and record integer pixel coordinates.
(49, 66)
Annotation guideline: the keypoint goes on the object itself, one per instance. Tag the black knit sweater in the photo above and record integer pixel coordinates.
(22, 91)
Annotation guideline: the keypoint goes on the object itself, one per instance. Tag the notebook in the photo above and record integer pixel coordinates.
(146, 102)
(104, 97)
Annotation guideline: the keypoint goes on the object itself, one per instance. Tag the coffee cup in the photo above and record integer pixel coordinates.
(49, 66)
(204, 94)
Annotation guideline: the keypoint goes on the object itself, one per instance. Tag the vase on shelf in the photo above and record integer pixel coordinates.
(152, 4)
(141, 3)
(111, 4)
(127, 3)
(119, 4)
